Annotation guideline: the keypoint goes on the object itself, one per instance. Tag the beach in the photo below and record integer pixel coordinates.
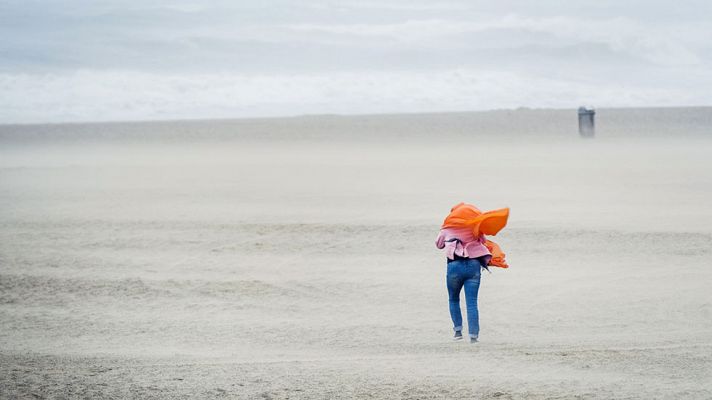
(295, 258)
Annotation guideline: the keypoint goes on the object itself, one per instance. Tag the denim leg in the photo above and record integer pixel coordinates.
(454, 286)
(472, 286)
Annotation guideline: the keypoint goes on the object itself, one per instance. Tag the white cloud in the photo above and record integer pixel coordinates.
(405, 6)
(673, 46)
(86, 60)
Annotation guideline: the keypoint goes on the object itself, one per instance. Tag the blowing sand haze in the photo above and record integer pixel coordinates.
(290, 259)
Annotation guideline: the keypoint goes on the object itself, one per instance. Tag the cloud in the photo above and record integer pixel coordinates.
(405, 6)
(674, 46)
(86, 60)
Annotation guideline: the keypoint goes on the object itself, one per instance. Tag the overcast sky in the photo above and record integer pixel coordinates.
(90, 60)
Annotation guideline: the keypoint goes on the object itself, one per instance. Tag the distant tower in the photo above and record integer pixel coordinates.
(587, 128)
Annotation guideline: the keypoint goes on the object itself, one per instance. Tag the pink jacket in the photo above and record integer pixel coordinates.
(461, 242)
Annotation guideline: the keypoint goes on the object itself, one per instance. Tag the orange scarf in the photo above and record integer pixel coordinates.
(465, 215)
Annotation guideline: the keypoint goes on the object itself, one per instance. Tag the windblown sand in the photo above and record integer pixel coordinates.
(303, 266)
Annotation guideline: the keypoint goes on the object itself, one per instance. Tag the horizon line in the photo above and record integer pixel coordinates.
(339, 115)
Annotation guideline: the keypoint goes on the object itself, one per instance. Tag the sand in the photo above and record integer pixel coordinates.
(228, 262)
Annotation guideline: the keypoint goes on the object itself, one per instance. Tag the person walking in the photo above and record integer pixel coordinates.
(468, 252)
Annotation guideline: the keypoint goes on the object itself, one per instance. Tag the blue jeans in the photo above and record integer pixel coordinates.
(464, 272)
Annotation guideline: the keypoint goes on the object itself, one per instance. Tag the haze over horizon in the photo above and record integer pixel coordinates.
(83, 61)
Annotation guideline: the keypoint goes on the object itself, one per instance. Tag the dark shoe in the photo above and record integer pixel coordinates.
(458, 335)
(473, 339)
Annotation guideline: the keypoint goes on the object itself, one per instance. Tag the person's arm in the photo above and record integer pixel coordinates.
(440, 241)
(485, 259)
